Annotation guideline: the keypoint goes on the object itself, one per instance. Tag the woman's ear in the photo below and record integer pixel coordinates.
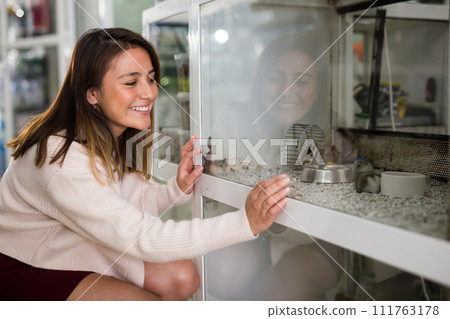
(91, 96)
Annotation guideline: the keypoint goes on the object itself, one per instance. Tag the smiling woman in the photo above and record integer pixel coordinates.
(79, 221)
(125, 97)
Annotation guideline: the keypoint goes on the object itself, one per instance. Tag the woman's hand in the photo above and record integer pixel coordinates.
(187, 175)
(264, 202)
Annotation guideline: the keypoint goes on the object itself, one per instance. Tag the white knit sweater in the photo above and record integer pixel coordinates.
(61, 217)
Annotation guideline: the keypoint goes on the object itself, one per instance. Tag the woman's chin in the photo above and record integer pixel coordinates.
(288, 106)
(288, 114)
(141, 126)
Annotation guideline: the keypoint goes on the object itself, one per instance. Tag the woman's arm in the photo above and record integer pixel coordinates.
(73, 196)
(97, 213)
(145, 194)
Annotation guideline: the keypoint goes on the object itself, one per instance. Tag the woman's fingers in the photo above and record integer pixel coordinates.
(187, 175)
(274, 199)
(275, 209)
(186, 182)
(188, 146)
(265, 201)
(188, 157)
(270, 187)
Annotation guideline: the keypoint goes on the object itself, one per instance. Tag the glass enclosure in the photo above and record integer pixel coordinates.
(287, 265)
(271, 267)
(273, 84)
(270, 91)
(172, 119)
(352, 104)
(172, 107)
(419, 77)
(262, 69)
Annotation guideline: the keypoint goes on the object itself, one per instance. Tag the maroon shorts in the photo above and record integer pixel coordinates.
(19, 281)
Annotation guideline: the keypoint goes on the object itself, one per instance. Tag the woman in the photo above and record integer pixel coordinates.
(76, 222)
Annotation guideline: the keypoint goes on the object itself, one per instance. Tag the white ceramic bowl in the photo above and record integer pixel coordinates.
(402, 184)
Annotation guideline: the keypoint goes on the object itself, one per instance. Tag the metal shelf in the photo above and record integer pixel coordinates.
(417, 11)
(413, 252)
(27, 43)
(163, 11)
(404, 10)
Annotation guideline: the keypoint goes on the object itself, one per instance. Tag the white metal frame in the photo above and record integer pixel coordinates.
(161, 11)
(155, 14)
(413, 252)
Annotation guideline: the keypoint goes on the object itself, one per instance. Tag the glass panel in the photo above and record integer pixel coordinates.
(30, 18)
(419, 80)
(34, 81)
(283, 264)
(271, 267)
(405, 131)
(427, 2)
(253, 87)
(367, 279)
(172, 106)
(271, 83)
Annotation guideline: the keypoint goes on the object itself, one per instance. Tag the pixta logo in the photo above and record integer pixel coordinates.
(142, 146)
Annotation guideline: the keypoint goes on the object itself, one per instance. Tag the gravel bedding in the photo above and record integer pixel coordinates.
(425, 214)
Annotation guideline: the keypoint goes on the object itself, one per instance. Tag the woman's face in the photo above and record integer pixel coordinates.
(128, 91)
(287, 97)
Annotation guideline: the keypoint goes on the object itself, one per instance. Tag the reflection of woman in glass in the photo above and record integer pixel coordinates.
(287, 86)
(286, 82)
(288, 265)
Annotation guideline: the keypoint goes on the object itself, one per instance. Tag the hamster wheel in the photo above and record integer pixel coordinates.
(294, 138)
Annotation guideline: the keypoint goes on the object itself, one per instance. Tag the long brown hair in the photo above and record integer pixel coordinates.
(71, 113)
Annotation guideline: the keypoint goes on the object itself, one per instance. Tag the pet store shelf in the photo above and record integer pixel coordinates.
(411, 251)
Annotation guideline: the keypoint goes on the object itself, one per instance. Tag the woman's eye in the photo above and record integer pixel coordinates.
(302, 82)
(130, 83)
(151, 80)
(274, 80)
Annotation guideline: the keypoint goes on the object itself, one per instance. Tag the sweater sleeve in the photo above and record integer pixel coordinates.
(97, 213)
(144, 194)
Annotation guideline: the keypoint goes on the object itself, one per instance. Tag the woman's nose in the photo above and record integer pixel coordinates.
(285, 89)
(289, 86)
(149, 91)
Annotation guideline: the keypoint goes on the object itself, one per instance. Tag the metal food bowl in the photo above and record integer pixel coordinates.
(329, 174)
